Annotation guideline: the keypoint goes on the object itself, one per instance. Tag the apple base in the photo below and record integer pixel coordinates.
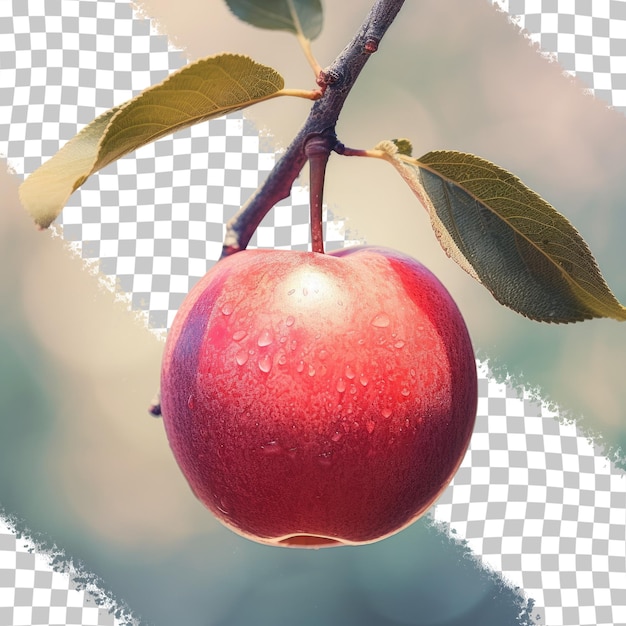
(309, 541)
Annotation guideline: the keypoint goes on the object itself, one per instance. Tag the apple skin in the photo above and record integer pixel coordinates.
(315, 400)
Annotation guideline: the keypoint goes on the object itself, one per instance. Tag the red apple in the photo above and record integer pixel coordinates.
(318, 399)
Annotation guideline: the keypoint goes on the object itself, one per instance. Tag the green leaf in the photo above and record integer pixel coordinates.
(300, 17)
(510, 239)
(404, 146)
(202, 90)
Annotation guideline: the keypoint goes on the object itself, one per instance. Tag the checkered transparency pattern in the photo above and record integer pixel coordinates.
(32, 592)
(544, 507)
(587, 37)
(533, 498)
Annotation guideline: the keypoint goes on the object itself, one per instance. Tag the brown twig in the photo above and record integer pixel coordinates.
(335, 82)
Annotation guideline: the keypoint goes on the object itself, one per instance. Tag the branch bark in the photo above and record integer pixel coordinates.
(336, 81)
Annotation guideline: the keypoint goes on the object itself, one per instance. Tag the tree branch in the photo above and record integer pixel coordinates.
(336, 81)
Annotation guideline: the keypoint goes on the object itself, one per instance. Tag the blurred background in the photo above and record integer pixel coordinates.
(81, 460)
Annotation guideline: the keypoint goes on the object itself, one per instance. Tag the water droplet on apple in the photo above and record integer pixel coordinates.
(405, 392)
(300, 367)
(325, 458)
(265, 363)
(381, 321)
(291, 292)
(341, 385)
(311, 371)
(361, 342)
(191, 402)
(223, 506)
(399, 344)
(350, 372)
(290, 320)
(386, 412)
(337, 436)
(282, 359)
(363, 379)
(412, 372)
(272, 448)
(265, 339)
(370, 425)
(352, 389)
(227, 309)
(239, 335)
(242, 357)
(305, 291)
(323, 354)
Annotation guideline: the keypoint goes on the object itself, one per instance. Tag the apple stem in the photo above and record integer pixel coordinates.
(335, 83)
(317, 150)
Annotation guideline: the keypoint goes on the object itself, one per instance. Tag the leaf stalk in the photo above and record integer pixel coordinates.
(305, 44)
(304, 41)
(308, 94)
